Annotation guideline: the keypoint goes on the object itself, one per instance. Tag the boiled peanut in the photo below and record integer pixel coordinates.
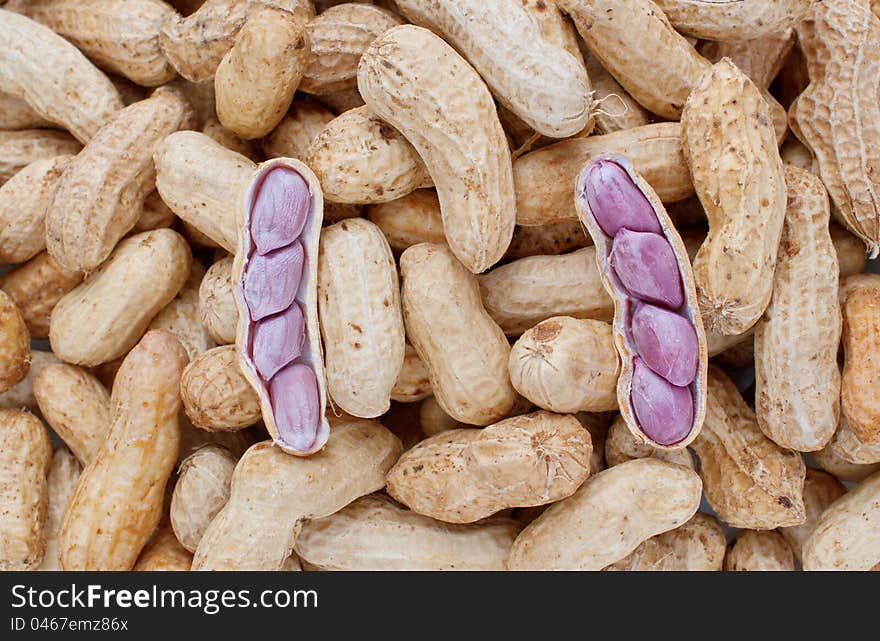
(62, 478)
(861, 344)
(15, 350)
(201, 491)
(759, 552)
(820, 491)
(409, 220)
(216, 395)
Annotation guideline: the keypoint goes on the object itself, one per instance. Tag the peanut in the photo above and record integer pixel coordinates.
(547, 240)
(797, 399)
(464, 475)
(215, 393)
(621, 446)
(18, 149)
(164, 553)
(201, 491)
(15, 113)
(15, 347)
(272, 494)
(861, 344)
(847, 535)
(759, 552)
(361, 317)
(25, 457)
(566, 365)
(464, 350)
(749, 481)
(54, 77)
(101, 194)
(820, 491)
(414, 382)
(215, 130)
(22, 395)
(292, 136)
(850, 251)
(830, 459)
(614, 109)
(181, 316)
(608, 517)
(737, 20)
(409, 220)
(738, 176)
(374, 533)
(102, 318)
(464, 151)
(63, 475)
(527, 291)
(217, 309)
(761, 59)
(117, 502)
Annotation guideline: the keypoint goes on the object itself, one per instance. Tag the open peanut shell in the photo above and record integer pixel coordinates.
(624, 302)
(294, 429)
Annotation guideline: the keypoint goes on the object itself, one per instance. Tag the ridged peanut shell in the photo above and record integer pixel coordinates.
(164, 553)
(614, 109)
(118, 501)
(181, 316)
(25, 456)
(272, 494)
(797, 380)
(861, 344)
(820, 491)
(374, 533)
(749, 481)
(464, 475)
(217, 308)
(20, 148)
(216, 395)
(414, 382)
(730, 145)
(102, 318)
(59, 83)
(765, 551)
(361, 317)
(62, 478)
(409, 220)
(464, 350)
(36, 287)
(608, 517)
(15, 344)
(292, 136)
(696, 546)
(15, 113)
(101, 194)
(201, 491)
(733, 20)
(761, 59)
(464, 148)
(21, 395)
(621, 446)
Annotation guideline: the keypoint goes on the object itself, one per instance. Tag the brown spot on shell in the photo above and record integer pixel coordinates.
(546, 331)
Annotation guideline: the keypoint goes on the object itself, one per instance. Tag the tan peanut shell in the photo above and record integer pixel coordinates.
(200, 180)
(613, 108)
(464, 475)
(25, 456)
(273, 493)
(794, 152)
(728, 139)
(820, 491)
(76, 406)
(830, 460)
(547, 240)
(464, 350)
(214, 129)
(120, 36)
(62, 478)
(547, 87)
(15, 113)
(433, 420)
(361, 159)
(306, 297)
(761, 59)
(846, 445)
(857, 281)
(464, 149)
(257, 78)
(192, 438)
(181, 316)
(15, 344)
(361, 317)
(24, 201)
(164, 553)
(409, 220)
(118, 500)
(733, 20)
(797, 398)
(21, 395)
(339, 37)
(861, 344)
(414, 382)
(195, 44)
(523, 293)
(840, 40)
(749, 481)
(292, 136)
(544, 179)
(20, 148)
(621, 445)
(696, 546)
(621, 323)
(566, 365)
(36, 287)
(847, 535)
(217, 309)
(850, 250)
(659, 71)
(374, 533)
(201, 491)
(608, 517)
(102, 318)
(341, 101)
(765, 551)
(155, 214)
(54, 77)
(101, 194)
(216, 395)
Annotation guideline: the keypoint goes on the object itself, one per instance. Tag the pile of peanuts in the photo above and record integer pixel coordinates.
(439, 285)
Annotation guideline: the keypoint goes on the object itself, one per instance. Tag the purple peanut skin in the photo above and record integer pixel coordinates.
(294, 396)
(646, 265)
(271, 281)
(278, 341)
(667, 342)
(615, 200)
(280, 210)
(665, 412)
